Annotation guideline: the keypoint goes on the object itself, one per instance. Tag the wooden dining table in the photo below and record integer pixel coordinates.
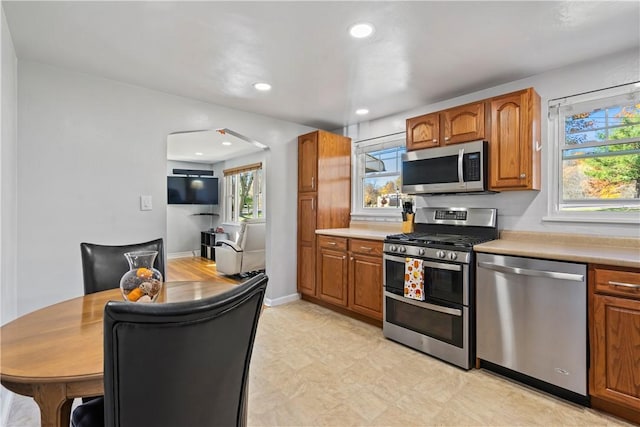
(55, 354)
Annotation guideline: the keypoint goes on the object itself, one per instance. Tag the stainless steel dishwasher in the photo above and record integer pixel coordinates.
(532, 322)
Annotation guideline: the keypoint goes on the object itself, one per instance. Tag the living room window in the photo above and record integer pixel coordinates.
(596, 156)
(377, 176)
(244, 193)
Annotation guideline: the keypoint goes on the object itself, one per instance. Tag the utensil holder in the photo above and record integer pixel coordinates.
(407, 226)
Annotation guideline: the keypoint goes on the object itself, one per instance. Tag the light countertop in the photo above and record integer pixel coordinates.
(372, 230)
(356, 233)
(623, 252)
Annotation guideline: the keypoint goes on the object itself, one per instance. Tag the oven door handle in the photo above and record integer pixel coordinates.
(440, 309)
(425, 263)
(442, 266)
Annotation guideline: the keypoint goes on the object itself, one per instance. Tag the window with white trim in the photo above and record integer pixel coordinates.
(244, 193)
(378, 175)
(597, 156)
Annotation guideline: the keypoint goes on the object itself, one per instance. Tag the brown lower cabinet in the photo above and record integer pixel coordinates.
(332, 268)
(614, 375)
(349, 275)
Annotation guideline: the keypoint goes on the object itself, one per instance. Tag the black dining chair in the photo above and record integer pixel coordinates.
(177, 364)
(103, 266)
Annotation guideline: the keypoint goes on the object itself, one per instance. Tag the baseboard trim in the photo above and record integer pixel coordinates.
(189, 254)
(282, 300)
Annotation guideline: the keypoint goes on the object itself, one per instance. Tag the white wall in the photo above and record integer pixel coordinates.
(524, 210)
(89, 147)
(183, 225)
(8, 193)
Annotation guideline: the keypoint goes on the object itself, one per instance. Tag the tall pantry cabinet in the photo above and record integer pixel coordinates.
(324, 196)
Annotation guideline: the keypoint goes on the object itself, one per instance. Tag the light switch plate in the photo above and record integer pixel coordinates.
(146, 203)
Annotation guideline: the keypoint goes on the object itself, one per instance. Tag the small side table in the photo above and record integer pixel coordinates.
(208, 242)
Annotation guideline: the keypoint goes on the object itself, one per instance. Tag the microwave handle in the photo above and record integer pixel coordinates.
(460, 171)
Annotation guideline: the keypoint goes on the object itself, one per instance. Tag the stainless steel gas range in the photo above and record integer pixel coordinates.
(441, 321)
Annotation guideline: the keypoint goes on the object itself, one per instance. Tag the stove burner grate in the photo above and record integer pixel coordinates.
(460, 240)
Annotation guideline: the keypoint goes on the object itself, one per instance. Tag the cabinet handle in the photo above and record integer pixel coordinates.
(332, 243)
(351, 258)
(446, 138)
(538, 146)
(364, 248)
(313, 182)
(624, 285)
(344, 257)
(434, 140)
(313, 204)
(523, 175)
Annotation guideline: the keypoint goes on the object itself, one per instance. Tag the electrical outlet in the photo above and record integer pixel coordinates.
(146, 203)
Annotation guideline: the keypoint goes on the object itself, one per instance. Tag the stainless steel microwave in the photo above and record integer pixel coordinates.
(457, 168)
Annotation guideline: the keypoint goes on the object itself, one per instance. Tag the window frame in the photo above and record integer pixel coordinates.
(231, 184)
(358, 211)
(559, 109)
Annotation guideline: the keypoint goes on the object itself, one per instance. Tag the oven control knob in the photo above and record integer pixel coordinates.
(392, 248)
(402, 249)
(420, 251)
(453, 256)
(440, 254)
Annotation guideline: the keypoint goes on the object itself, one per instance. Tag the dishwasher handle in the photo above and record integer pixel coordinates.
(529, 272)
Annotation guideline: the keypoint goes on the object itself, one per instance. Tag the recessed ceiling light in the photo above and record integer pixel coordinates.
(199, 154)
(362, 111)
(262, 86)
(226, 143)
(361, 30)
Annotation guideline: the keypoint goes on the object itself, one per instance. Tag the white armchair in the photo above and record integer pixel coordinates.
(244, 255)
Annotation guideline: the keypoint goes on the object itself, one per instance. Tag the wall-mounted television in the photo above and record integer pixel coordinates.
(192, 190)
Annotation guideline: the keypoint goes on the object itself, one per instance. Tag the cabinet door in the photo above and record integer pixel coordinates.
(464, 123)
(515, 123)
(332, 276)
(365, 285)
(308, 162)
(616, 350)
(423, 131)
(307, 244)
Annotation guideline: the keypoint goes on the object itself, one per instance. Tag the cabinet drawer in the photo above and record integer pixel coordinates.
(338, 243)
(617, 282)
(366, 247)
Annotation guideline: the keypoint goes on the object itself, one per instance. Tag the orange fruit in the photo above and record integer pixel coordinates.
(135, 294)
(144, 273)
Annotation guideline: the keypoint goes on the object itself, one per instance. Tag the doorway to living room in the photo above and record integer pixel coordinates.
(215, 183)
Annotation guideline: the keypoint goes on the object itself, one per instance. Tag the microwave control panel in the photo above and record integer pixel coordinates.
(472, 167)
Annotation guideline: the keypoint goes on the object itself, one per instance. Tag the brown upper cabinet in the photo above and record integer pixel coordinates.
(514, 144)
(459, 124)
(423, 131)
(307, 162)
(464, 123)
(511, 124)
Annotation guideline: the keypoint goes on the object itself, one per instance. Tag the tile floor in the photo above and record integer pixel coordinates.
(314, 367)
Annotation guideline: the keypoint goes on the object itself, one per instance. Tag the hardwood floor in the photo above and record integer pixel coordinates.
(194, 268)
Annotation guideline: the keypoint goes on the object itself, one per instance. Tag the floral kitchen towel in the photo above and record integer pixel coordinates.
(413, 279)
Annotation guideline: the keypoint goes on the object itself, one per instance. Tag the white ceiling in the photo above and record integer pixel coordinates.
(420, 53)
(183, 146)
